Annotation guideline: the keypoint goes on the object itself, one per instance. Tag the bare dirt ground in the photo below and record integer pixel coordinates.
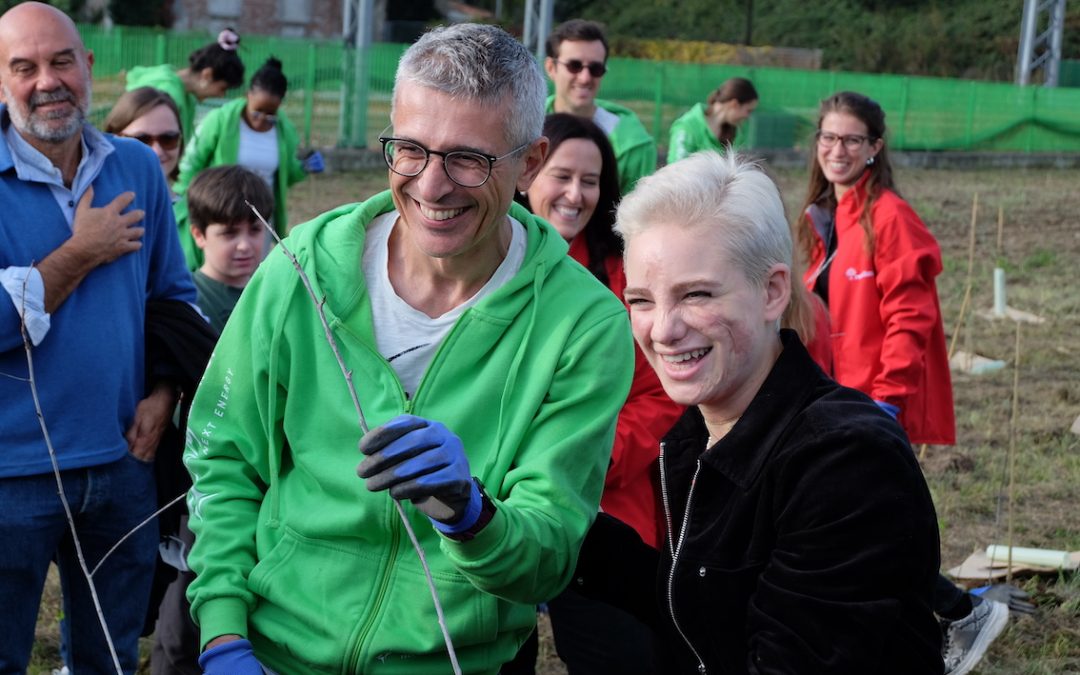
(1040, 252)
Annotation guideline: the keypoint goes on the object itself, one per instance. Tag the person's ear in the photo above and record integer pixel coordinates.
(199, 236)
(877, 146)
(535, 156)
(549, 67)
(777, 291)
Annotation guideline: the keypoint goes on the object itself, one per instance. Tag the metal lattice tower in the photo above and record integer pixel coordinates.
(538, 21)
(1040, 41)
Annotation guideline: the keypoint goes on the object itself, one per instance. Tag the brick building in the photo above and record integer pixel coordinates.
(288, 18)
(394, 20)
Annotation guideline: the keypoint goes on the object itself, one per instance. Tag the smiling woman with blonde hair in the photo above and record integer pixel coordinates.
(801, 534)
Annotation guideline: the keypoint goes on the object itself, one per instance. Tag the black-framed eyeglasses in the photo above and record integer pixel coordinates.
(467, 168)
(596, 69)
(168, 140)
(827, 139)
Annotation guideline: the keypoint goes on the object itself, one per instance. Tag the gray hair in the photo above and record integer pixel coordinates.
(484, 64)
(727, 193)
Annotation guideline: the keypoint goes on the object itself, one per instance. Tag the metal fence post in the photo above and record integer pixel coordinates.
(360, 15)
(309, 93)
(159, 48)
(658, 108)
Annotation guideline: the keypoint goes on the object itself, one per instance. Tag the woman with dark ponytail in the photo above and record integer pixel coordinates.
(212, 70)
(254, 133)
(712, 125)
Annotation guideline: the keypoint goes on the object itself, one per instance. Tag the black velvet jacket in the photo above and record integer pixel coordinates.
(804, 541)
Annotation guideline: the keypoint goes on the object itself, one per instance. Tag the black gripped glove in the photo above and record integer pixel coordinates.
(423, 461)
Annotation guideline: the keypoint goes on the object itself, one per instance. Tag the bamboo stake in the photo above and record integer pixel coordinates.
(60, 485)
(958, 328)
(1012, 450)
(364, 428)
(1001, 230)
(970, 277)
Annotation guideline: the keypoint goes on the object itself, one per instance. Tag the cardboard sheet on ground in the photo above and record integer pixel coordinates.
(978, 567)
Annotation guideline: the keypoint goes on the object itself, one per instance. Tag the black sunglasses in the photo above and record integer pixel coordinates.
(574, 66)
(168, 140)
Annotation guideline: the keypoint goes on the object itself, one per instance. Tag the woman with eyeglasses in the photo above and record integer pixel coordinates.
(254, 133)
(873, 262)
(212, 70)
(150, 116)
(713, 125)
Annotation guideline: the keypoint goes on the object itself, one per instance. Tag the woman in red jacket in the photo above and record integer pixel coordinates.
(873, 262)
(577, 191)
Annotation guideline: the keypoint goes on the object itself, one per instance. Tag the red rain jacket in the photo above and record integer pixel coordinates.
(887, 335)
(632, 486)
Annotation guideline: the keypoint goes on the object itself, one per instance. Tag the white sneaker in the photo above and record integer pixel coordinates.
(967, 639)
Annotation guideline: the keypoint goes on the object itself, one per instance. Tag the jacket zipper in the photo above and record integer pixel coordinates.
(380, 596)
(395, 532)
(676, 548)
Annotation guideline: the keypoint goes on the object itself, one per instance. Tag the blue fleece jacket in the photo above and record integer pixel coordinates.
(89, 369)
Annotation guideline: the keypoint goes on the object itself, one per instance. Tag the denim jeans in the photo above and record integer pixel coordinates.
(106, 502)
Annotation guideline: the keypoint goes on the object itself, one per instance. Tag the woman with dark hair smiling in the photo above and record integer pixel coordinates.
(576, 191)
(874, 262)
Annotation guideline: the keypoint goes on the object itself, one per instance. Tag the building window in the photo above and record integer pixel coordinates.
(294, 11)
(227, 9)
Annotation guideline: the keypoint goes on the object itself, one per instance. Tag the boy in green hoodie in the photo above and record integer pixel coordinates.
(490, 365)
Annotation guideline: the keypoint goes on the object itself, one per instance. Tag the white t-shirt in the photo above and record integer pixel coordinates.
(258, 152)
(405, 336)
(605, 119)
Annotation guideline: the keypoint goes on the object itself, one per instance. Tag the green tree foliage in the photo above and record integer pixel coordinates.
(948, 38)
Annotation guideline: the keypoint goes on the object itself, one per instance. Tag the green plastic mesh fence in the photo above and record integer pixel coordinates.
(325, 94)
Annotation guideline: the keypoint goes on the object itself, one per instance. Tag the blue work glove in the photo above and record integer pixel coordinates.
(422, 460)
(893, 410)
(314, 162)
(230, 658)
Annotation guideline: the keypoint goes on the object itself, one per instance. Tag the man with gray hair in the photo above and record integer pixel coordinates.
(493, 365)
(87, 239)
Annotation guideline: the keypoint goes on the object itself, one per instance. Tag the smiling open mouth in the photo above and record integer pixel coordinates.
(440, 214)
(686, 356)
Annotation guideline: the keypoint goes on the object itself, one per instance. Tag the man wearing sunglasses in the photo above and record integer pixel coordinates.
(489, 366)
(87, 238)
(577, 52)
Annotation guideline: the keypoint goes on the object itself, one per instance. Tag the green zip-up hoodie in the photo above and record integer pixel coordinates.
(691, 133)
(293, 551)
(165, 78)
(634, 147)
(217, 142)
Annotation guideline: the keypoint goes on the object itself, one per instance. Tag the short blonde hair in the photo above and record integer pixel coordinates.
(727, 193)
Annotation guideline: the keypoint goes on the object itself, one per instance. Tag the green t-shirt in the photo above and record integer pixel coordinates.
(215, 299)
